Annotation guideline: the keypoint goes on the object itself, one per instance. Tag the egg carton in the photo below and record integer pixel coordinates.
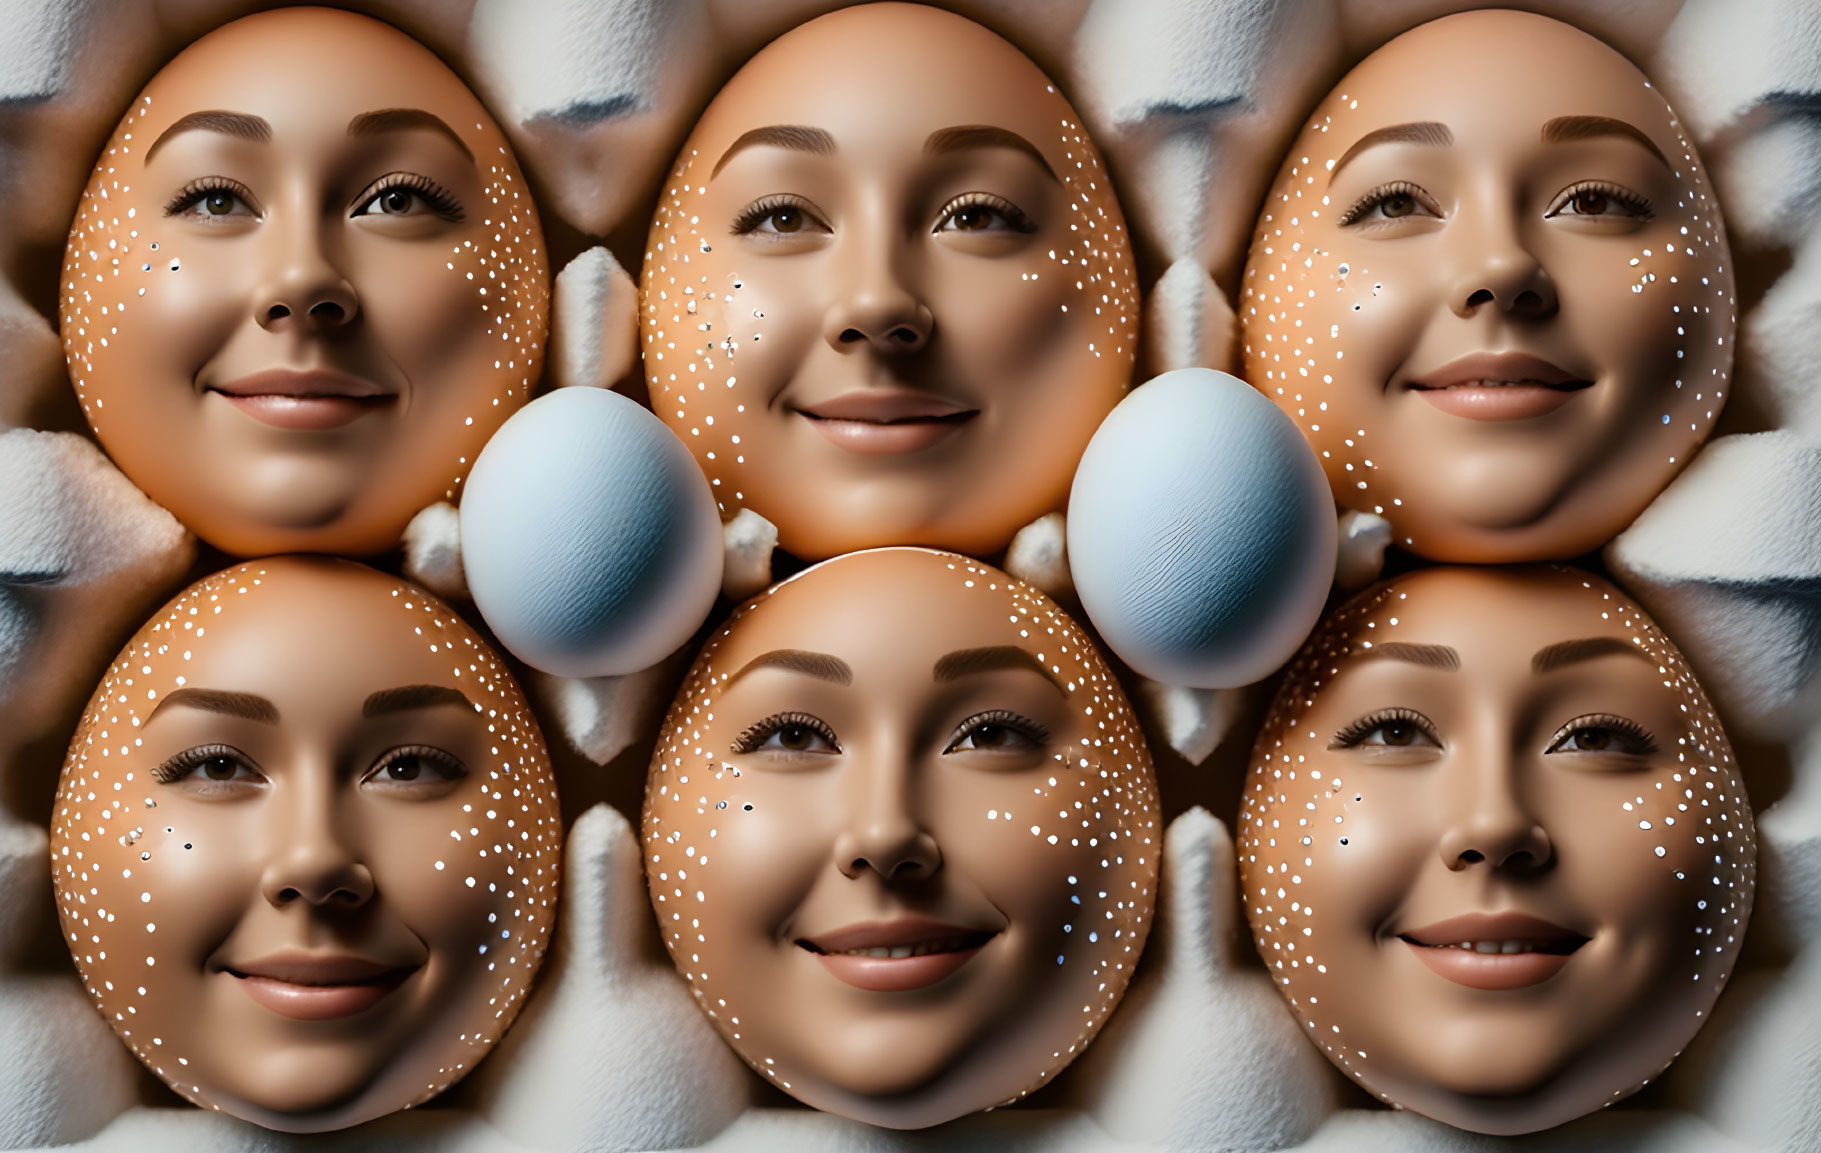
(1192, 102)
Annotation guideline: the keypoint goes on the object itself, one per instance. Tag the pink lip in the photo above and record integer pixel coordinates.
(1547, 948)
(308, 400)
(879, 422)
(1498, 386)
(306, 987)
(957, 946)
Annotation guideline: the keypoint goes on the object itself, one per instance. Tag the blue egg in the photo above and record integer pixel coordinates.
(590, 537)
(1201, 532)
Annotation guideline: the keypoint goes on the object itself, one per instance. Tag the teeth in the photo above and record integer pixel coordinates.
(899, 952)
(1504, 948)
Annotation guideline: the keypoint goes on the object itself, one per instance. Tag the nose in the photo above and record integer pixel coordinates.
(876, 307)
(304, 290)
(882, 833)
(311, 860)
(1498, 270)
(1491, 824)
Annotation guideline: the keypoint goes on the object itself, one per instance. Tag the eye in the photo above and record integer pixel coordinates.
(1603, 733)
(1597, 199)
(1397, 728)
(779, 218)
(211, 770)
(213, 200)
(421, 769)
(982, 212)
(788, 734)
(1389, 203)
(407, 194)
(998, 731)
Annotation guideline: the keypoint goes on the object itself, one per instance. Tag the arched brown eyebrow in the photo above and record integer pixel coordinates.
(967, 662)
(404, 120)
(247, 706)
(409, 697)
(1429, 656)
(796, 137)
(1552, 657)
(1429, 133)
(822, 666)
(237, 124)
(1564, 129)
(970, 136)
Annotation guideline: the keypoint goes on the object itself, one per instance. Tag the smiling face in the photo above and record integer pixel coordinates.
(888, 294)
(1501, 310)
(305, 845)
(901, 835)
(305, 285)
(1495, 849)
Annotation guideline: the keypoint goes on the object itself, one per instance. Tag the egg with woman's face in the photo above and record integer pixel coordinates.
(306, 282)
(305, 845)
(1501, 310)
(1495, 850)
(901, 836)
(888, 293)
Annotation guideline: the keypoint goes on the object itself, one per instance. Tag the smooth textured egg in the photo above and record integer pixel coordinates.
(590, 538)
(1201, 532)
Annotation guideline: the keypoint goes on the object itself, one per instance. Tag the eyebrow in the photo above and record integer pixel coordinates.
(1429, 656)
(796, 137)
(822, 666)
(967, 137)
(237, 124)
(403, 120)
(244, 705)
(968, 662)
(1552, 657)
(409, 697)
(1564, 129)
(1430, 133)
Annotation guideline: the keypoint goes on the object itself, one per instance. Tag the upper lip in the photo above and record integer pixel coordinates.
(308, 382)
(303, 968)
(1510, 926)
(885, 406)
(897, 933)
(1499, 368)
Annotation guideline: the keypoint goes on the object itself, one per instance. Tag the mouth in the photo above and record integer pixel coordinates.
(1499, 386)
(886, 422)
(896, 956)
(311, 400)
(1494, 951)
(312, 987)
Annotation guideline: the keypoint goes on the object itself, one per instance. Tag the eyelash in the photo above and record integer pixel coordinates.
(756, 735)
(1014, 216)
(441, 201)
(760, 210)
(1639, 736)
(1355, 733)
(1634, 205)
(195, 191)
(1031, 730)
(186, 762)
(1379, 195)
(451, 767)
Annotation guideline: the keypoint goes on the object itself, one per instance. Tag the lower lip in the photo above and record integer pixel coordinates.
(894, 974)
(1489, 970)
(870, 439)
(1498, 401)
(316, 1002)
(306, 413)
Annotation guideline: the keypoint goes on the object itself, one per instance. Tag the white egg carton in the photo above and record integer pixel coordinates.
(1190, 100)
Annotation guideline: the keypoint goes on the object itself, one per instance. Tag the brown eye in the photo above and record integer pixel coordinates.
(796, 738)
(788, 733)
(1401, 733)
(1591, 203)
(786, 220)
(404, 769)
(973, 218)
(998, 731)
(220, 768)
(219, 203)
(395, 201)
(1398, 204)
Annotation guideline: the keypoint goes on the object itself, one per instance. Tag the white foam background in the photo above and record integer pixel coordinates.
(1193, 101)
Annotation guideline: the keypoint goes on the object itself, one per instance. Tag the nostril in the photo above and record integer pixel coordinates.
(329, 310)
(1473, 856)
(906, 335)
(1483, 296)
(851, 335)
(277, 312)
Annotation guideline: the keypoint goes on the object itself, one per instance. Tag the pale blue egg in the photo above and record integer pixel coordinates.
(590, 537)
(1201, 532)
